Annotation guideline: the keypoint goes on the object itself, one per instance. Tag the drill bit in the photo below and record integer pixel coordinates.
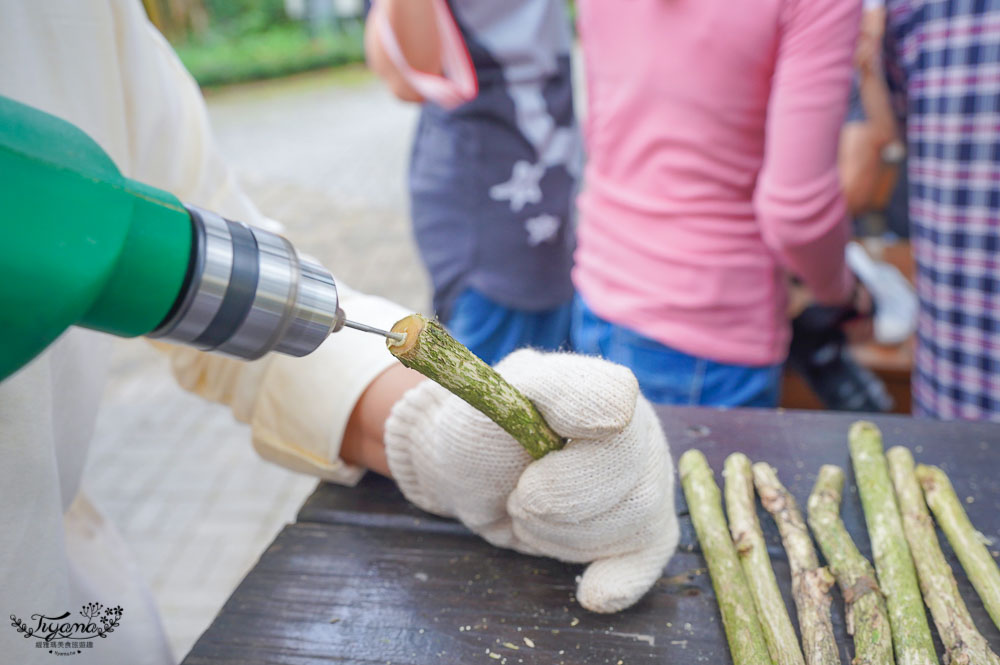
(399, 337)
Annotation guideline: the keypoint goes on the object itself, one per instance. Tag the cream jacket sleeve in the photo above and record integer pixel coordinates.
(297, 407)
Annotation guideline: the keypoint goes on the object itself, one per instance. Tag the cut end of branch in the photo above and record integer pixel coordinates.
(691, 460)
(410, 327)
(865, 442)
(768, 487)
(928, 477)
(863, 427)
(832, 476)
(737, 462)
(901, 456)
(824, 501)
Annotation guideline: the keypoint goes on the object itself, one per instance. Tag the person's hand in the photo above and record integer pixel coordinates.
(860, 328)
(606, 499)
(855, 317)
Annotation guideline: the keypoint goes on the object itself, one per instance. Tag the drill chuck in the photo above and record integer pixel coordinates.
(247, 292)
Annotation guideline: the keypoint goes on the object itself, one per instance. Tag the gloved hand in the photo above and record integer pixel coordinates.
(606, 498)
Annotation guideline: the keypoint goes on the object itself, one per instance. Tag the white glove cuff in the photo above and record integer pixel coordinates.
(411, 419)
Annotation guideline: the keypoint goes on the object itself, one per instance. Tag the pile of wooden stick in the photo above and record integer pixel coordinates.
(884, 604)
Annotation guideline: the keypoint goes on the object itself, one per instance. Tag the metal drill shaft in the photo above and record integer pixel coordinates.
(399, 337)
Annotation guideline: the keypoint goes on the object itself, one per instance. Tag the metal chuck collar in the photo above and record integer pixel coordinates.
(248, 292)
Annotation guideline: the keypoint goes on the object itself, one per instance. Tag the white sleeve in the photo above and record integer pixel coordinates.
(303, 405)
(298, 408)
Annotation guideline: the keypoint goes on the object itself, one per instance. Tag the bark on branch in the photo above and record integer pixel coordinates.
(911, 636)
(810, 582)
(965, 540)
(963, 644)
(739, 616)
(779, 634)
(430, 350)
(867, 617)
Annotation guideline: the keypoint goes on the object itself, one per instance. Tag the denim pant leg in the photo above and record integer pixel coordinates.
(665, 376)
(668, 376)
(739, 385)
(491, 330)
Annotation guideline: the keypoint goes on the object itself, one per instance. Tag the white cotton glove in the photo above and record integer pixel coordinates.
(606, 498)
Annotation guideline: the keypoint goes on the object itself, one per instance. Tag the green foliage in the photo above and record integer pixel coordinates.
(237, 18)
(278, 50)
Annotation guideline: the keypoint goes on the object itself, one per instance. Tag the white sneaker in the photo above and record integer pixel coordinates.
(896, 302)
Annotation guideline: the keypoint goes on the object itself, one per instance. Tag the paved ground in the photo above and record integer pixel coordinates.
(325, 154)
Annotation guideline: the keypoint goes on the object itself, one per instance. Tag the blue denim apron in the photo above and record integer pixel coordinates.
(492, 181)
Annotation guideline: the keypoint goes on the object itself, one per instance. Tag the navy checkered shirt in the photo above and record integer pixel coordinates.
(946, 55)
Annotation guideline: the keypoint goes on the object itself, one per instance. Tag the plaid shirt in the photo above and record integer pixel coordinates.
(947, 53)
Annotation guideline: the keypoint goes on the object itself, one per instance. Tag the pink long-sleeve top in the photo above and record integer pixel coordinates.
(712, 129)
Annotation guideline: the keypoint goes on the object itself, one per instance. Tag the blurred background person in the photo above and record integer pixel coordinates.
(949, 57)
(494, 169)
(711, 134)
(872, 153)
(872, 173)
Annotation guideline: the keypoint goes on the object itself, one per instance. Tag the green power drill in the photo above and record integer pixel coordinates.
(83, 245)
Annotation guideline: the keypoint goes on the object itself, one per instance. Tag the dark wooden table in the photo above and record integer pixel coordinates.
(363, 577)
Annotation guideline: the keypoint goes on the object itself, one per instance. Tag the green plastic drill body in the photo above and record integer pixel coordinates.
(79, 243)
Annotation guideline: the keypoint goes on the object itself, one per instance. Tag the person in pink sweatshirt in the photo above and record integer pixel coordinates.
(711, 132)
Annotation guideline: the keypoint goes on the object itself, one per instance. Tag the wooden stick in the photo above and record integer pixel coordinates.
(911, 636)
(779, 634)
(965, 540)
(810, 582)
(430, 350)
(867, 617)
(962, 642)
(739, 617)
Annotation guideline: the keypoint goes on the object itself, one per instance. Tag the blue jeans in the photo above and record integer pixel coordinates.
(491, 330)
(668, 376)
